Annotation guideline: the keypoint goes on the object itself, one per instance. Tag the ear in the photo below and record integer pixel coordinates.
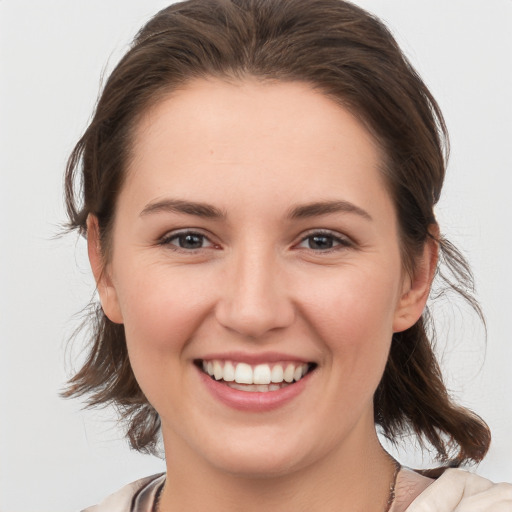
(104, 285)
(416, 287)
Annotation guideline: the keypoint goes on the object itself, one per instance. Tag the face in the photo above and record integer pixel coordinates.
(256, 268)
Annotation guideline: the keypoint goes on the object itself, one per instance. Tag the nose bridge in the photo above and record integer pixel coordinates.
(256, 299)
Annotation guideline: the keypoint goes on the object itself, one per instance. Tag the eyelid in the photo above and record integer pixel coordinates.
(169, 236)
(343, 241)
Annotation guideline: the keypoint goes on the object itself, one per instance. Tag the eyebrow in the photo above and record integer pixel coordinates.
(180, 206)
(209, 211)
(327, 207)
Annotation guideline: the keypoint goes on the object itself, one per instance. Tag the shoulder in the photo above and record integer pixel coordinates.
(135, 497)
(409, 485)
(461, 491)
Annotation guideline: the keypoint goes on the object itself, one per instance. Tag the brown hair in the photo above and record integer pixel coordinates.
(345, 53)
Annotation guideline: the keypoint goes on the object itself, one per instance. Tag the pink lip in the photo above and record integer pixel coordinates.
(253, 401)
(253, 359)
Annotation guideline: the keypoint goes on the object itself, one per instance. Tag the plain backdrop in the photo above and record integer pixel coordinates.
(54, 456)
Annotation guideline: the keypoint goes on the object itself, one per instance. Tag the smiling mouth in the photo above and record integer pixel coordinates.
(255, 378)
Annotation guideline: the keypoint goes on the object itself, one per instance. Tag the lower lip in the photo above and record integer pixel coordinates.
(254, 401)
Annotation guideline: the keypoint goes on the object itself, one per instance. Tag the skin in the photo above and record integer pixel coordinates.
(257, 284)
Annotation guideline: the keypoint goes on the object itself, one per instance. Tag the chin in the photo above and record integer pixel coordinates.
(259, 465)
(271, 455)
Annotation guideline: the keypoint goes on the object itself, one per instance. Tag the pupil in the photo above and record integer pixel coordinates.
(191, 241)
(320, 242)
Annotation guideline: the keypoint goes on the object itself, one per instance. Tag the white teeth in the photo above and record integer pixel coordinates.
(277, 374)
(262, 388)
(243, 373)
(217, 370)
(288, 373)
(242, 387)
(229, 372)
(259, 378)
(261, 374)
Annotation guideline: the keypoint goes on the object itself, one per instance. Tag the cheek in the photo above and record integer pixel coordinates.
(162, 309)
(355, 301)
(353, 317)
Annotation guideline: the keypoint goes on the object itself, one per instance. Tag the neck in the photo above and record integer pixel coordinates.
(356, 478)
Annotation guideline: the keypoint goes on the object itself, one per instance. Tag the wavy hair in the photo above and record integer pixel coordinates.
(348, 55)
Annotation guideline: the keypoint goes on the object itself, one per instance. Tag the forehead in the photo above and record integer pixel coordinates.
(271, 135)
(260, 110)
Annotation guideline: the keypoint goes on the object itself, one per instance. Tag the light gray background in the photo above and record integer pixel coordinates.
(53, 456)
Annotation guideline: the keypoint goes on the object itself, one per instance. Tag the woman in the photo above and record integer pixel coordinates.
(258, 190)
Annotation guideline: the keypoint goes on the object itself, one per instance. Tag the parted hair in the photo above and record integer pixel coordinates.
(347, 54)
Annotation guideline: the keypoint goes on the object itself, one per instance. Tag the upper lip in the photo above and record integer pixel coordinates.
(254, 358)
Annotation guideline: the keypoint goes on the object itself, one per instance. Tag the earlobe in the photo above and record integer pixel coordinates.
(417, 286)
(104, 285)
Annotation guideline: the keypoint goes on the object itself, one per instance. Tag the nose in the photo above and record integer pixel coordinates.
(255, 298)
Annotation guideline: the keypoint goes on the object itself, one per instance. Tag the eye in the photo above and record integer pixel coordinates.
(324, 241)
(187, 240)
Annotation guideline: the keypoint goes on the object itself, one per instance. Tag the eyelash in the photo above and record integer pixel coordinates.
(179, 236)
(336, 241)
